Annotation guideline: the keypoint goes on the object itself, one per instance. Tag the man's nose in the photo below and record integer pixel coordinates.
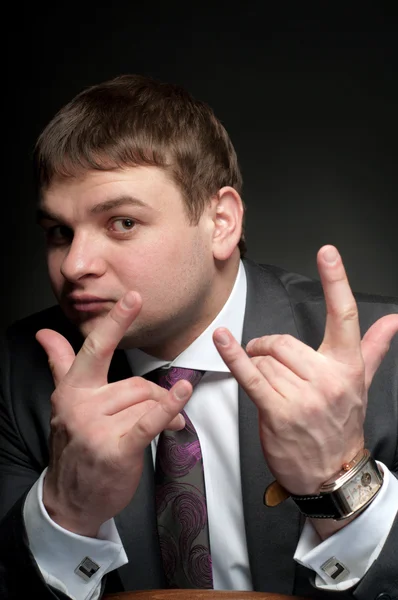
(84, 258)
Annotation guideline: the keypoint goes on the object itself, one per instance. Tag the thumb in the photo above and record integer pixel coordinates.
(59, 352)
(376, 343)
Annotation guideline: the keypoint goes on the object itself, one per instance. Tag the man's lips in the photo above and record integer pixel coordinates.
(88, 303)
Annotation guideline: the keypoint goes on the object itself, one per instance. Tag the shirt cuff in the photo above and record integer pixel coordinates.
(59, 552)
(357, 545)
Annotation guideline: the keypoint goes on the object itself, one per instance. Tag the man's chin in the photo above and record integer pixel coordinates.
(86, 321)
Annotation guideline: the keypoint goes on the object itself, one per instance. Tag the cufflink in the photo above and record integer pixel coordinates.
(87, 568)
(335, 569)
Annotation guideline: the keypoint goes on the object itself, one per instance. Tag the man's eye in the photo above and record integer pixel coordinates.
(123, 225)
(58, 234)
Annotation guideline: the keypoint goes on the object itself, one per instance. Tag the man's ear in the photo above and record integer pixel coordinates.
(227, 217)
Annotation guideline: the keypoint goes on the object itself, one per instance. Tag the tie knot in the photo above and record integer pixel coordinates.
(166, 378)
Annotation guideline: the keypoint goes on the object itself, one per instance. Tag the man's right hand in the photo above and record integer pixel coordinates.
(99, 431)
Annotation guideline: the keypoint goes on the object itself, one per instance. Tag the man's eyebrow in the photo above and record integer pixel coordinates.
(44, 214)
(107, 205)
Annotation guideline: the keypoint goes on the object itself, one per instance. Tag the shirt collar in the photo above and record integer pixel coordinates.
(202, 353)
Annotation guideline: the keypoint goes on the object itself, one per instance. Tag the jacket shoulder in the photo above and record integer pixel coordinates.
(307, 300)
(304, 289)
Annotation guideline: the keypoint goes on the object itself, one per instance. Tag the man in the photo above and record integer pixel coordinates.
(139, 199)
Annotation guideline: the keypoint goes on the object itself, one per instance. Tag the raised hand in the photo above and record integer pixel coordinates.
(99, 431)
(312, 404)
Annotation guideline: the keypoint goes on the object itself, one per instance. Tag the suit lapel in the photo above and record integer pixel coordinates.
(271, 533)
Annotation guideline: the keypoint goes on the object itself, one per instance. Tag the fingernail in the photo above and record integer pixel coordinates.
(221, 338)
(181, 393)
(128, 300)
(250, 344)
(330, 254)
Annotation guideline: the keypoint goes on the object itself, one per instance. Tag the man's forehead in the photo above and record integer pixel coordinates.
(98, 191)
(142, 176)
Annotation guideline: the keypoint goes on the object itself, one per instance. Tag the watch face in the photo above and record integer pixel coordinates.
(361, 488)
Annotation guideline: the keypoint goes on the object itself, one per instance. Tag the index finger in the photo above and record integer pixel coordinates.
(342, 338)
(91, 365)
(243, 369)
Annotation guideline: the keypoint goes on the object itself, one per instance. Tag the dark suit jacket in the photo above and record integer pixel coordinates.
(277, 302)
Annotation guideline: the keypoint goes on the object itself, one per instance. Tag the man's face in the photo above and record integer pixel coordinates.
(113, 231)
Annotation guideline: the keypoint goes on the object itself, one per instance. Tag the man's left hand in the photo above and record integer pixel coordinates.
(312, 404)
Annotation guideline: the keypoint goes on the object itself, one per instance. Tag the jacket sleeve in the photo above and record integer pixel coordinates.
(21, 463)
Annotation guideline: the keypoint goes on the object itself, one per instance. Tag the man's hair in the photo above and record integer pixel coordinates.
(135, 120)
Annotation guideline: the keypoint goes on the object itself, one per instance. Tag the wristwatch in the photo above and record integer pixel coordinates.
(354, 487)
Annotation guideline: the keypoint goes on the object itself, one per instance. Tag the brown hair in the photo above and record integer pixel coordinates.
(135, 120)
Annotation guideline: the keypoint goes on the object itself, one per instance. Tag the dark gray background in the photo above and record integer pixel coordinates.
(309, 97)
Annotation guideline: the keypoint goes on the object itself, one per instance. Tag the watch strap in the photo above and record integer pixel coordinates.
(317, 507)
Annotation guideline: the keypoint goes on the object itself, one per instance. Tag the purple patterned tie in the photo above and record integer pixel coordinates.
(181, 499)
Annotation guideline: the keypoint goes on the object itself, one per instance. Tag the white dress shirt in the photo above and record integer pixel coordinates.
(213, 409)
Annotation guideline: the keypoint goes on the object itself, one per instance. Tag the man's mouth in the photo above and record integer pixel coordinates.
(88, 303)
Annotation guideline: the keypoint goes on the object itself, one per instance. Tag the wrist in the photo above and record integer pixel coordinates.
(327, 527)
(346, 495)
(340, 499)
(70, 518)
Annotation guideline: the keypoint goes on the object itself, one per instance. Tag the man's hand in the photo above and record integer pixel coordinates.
(311, 403)
(99, 431)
